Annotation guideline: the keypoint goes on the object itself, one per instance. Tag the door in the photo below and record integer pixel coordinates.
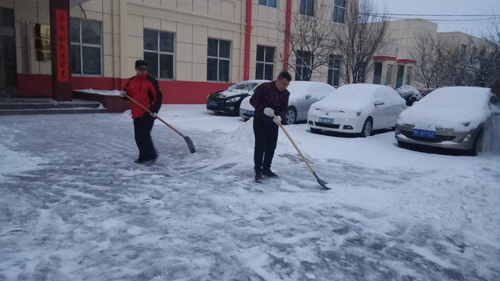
(8, 72)
(400, 76)
(377, 73)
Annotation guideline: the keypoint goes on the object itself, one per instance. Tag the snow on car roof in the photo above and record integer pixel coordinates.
(458, 97)
(357, 91)
(297, 87)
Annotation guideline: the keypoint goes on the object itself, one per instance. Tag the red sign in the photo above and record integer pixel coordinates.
(62, 46)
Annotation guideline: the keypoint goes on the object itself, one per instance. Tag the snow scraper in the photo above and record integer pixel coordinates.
(320, 181)
(189, 142)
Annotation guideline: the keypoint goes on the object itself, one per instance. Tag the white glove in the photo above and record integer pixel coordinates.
(269, 111)
(278, 119)
(153, 114)
(123, 94)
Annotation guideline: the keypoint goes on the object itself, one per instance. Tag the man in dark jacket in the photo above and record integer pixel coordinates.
(268, 99)
(144, 89)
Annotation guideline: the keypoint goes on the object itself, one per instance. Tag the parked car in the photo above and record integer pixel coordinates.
(302, 95)
(409, 94)
(451, 117)
(356, 108)
(228, 101)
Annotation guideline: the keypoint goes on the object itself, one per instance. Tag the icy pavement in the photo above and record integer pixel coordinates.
(74, 206)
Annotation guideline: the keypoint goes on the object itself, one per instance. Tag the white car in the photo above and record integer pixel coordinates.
(450, 117)
(356, 108)
(302, 95)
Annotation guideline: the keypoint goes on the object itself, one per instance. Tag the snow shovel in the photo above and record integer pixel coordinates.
(320, 181)
(186, 138)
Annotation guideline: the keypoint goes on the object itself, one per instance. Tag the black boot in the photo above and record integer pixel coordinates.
(258, 177)
(269, 174)
(141, 161)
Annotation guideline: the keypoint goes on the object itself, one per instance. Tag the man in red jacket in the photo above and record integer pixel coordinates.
(269, 99)
(144, 89)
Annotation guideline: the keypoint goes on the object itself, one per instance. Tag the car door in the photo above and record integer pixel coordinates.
(380, 113)
(395, 105)
(304, 97)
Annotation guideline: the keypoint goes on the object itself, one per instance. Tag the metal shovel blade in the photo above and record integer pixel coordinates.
(190, 144)
(321, 182)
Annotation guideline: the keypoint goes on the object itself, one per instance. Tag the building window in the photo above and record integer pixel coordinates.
(334, 70)
(377, 73)
(339, 11)
(265, 63)
(307, 7)
(302, 66)
(218, 60)
(86, 47)
(269, 3)
(463, 50)
(408, 75)
(159, 53)
(388, 79)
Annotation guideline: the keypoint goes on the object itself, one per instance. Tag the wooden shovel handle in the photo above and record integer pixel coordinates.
(143, 107)
(303, 158)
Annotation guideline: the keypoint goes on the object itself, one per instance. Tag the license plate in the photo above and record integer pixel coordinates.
(423, 133)
(250, 113)
(213, 103)
(326, 120)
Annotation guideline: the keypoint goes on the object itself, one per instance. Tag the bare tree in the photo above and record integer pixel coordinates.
(311, 42)
(360, 39)
(471, 61)
(429, 55)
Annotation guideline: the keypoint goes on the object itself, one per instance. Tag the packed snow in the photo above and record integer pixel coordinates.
(100, 92)
(457, 108)
(74, 206)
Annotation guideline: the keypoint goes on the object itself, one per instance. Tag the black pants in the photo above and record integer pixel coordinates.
(142, 129)
(266, 138)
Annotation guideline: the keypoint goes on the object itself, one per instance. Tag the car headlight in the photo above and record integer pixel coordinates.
(233, 100)
(467, 138)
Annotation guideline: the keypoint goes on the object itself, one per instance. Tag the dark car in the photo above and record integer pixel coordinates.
(228, 101)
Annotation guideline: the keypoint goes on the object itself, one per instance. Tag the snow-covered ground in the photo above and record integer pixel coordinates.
(74, 206)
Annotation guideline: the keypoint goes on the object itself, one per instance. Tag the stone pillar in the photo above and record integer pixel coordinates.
(59, 38)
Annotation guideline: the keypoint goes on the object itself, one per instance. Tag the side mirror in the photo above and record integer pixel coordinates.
(379, 102)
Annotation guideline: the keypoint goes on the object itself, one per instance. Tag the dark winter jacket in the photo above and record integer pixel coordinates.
(145, 90)
(267, 95)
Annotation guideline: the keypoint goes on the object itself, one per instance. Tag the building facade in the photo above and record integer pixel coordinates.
(194, 47)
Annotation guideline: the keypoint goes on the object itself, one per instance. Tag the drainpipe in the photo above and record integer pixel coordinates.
(248, 34)
(288, 19)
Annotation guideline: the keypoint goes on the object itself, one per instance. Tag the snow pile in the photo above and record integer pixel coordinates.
(14, 162)
(458, 108)
(100, 92)
(409, 93)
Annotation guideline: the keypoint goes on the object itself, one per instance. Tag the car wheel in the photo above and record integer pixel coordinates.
(478, 145)
(291, 115)
(367, 128)
(315, 131)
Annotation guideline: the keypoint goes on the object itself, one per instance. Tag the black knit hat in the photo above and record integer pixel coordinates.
(141, 64)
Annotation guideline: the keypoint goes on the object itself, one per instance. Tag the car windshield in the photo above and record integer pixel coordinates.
(248, 86)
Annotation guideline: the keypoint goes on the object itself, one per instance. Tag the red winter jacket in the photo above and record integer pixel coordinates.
(145, 90)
